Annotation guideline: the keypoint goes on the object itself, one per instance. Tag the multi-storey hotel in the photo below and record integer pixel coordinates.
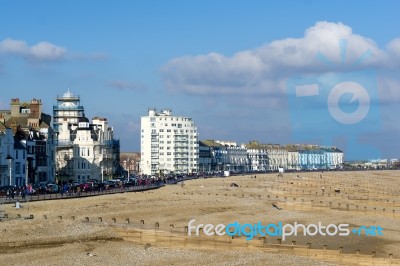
(169, 144)
(84, 150)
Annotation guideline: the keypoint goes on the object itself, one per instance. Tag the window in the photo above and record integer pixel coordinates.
(17, 167)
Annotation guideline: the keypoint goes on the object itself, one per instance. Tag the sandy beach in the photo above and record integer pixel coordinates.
(149, 227)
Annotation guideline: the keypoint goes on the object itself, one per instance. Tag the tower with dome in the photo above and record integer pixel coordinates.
(68, 108)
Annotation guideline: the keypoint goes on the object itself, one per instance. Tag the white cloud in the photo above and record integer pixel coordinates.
(47, 51)
(263, 71)
(394, 46)
(40, 52)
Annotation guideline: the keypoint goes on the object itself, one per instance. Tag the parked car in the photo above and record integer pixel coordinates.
(109, 184)
(52, 188)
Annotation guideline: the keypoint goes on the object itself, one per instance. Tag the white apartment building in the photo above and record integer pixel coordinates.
(293, 160)
(169, 144)
(258, 159)
(278, 157)
(236, 156)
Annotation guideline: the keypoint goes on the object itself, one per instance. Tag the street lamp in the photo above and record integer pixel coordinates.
(9, 158)
(102, 174)
(26, 173)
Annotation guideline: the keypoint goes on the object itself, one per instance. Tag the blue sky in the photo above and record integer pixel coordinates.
(226, 64)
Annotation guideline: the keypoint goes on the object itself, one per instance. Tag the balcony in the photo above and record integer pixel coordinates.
(67, 108)
(63, 143)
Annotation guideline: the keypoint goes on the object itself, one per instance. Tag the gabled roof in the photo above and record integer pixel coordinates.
(44, 125)
(18, 145)
(18, 121)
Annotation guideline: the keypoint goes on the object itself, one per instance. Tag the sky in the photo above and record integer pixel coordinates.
(310, 72)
